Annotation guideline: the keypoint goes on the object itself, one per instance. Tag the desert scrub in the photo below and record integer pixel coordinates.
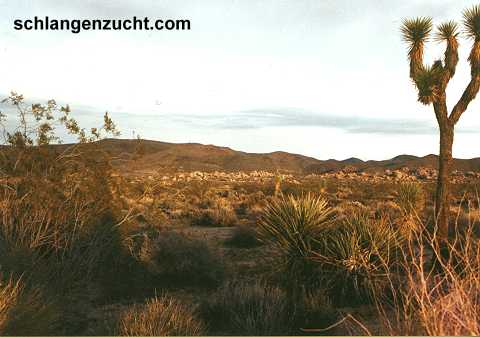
(244, 236)
(411, 198)
(356, 256)
(222, 214)
(175, 259)
(160, 316)
(57, 207)
(25, 311)
(248, 309)
(293, 226)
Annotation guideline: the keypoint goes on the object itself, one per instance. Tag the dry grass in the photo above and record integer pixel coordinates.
(249, 309)
(435, 294)
(160, 316)
(25, 311)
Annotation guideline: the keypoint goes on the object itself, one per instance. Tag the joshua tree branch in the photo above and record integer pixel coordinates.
(468, 96)
(416, 59)
(472, 88)
(450, 60)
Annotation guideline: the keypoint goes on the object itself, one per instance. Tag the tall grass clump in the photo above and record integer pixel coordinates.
(24, 311)
(160, 316)
(293, 226)
(249, 310)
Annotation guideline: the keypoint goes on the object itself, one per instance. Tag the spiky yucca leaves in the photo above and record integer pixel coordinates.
(293, 225)
(471, 22)
(355, 258)
(411, 198)
(426, 79)
(416, 32)
(448, 32)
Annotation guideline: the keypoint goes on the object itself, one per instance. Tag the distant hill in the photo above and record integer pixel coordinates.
(192, 157)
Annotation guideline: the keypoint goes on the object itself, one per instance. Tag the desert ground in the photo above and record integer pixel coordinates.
(111, 243)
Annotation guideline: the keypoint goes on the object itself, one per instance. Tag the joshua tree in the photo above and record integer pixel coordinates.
(432, 81)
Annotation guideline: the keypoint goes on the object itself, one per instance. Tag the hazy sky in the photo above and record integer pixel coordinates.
(325, 78)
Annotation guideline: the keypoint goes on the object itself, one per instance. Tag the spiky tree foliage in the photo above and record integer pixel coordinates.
(432, 82)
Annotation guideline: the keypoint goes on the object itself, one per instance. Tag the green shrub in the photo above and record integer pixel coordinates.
(175, 259)
(293, 226)
(160, 316)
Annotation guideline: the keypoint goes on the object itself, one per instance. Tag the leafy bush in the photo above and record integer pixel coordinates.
(160, 316)
(248, 309)
(244, 237)
(175, 260)
(293, 225)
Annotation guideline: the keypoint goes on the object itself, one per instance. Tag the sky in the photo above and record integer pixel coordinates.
(323, 78)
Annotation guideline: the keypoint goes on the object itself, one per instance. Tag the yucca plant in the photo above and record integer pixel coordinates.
(411, 198)
(356, 256)
(293, 225)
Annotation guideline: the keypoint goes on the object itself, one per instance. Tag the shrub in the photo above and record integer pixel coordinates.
(438, 302)
(411, 198)
(356, 256)
(244, 236)
(160, 316)
(293, 225)
(221, 214)
(174, 259)
(57, 209)
(248, 309)
(24, 311)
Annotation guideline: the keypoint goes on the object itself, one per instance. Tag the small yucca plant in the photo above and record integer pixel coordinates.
(411, 198)
(293, 225)
(355, 257)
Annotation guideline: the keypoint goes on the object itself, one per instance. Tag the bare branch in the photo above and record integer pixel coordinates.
(473, 87)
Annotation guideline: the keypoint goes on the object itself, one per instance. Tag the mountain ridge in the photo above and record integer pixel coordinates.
(200, 157)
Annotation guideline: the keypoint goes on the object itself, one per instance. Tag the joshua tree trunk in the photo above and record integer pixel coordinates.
(442, 207)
